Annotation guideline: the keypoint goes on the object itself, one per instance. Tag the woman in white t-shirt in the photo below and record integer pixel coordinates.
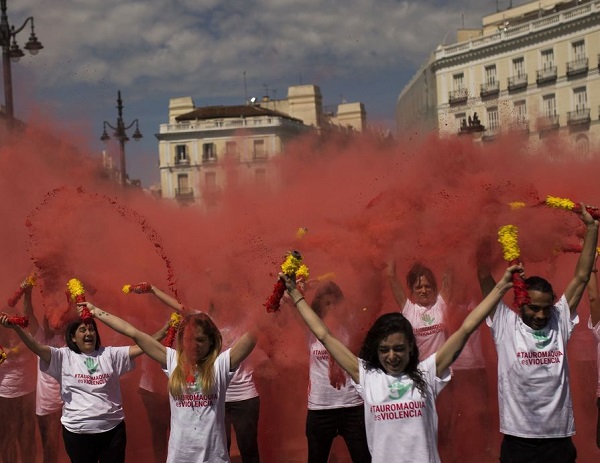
(92, 416)
(334, 406)
(425, 306)
(399, 391)
(199, 374)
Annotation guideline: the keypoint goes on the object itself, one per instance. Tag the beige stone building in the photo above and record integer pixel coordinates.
(203, 149)
(531, 69)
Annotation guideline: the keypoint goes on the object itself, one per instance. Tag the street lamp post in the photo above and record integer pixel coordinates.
(11, 51)
(120, 133)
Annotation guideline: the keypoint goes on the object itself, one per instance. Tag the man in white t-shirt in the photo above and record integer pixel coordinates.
(536, 410)
(594, 326)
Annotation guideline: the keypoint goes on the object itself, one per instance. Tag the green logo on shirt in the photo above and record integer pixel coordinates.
(91, 365)
(542, 339)
(397, 390)
(427, 319)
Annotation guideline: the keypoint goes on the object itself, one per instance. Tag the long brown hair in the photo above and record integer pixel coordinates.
(188, 365)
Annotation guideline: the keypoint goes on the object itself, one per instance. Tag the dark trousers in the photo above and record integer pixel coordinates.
(243, 416)
(524, 450)
(103, 447)
(322, 426)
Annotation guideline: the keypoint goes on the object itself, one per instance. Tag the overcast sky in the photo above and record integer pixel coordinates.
(153, 50)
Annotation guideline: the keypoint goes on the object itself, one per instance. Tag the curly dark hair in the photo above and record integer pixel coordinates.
(384, 326)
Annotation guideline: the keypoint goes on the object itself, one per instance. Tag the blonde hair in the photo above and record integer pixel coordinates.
(189, 367)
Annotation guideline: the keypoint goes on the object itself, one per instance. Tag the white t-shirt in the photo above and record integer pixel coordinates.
(533, 380)
(242, 386)
(321, 394)
(17, 373)
(47, 397)
(428, 325)
(401, 423)
(90, 387)
(596, 331)
(198, 419)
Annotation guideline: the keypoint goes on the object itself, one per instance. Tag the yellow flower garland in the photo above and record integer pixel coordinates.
(507, 237)
(75, 288)
(291, 265)
(175, 319)
(560, 203)
(517, 205)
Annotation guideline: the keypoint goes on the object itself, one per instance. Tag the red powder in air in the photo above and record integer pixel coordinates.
(362, 202)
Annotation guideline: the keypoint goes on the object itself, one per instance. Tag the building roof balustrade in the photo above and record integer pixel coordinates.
(224, 124)
(519, 30)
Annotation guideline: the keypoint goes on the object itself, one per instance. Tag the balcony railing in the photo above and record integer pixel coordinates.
(548, 123)
(208, 158)
(520, 125)
(491, 133)
(546, 75)
(489, 89)
(578, 66)
(458, 96)
(517, 82)
(184, 192)
(259, 155)
(579, 116)
(182, 161)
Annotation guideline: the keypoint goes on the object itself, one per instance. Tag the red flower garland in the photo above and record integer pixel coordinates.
(29, 282)
(519, 287)
(274, 300)
(23, 322)
(139, 288)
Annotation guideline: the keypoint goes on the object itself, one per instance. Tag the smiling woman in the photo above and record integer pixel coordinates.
(392, 382)
(93, 419)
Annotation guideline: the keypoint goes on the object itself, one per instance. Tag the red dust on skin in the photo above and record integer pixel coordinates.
(427, 199)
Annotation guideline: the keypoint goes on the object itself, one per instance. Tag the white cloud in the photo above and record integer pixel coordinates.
(174, 46)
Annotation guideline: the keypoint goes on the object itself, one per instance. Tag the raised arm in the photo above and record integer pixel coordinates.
(34, 324)
(242, 348)
(41, 350)
(395, 285)
(340, 353)
(484, 272)
(147, 343)
(593, 295)
(451, 349)
(585, 263)
(166, 299)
